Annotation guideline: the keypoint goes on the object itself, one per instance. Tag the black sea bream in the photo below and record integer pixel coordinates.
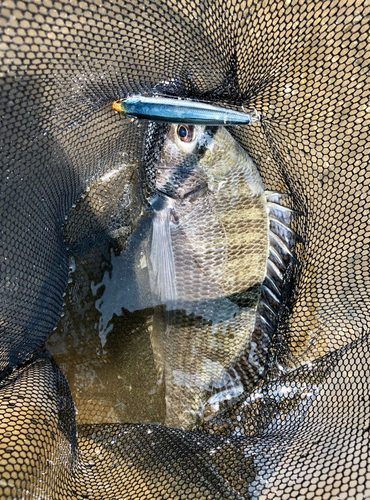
(213, 257)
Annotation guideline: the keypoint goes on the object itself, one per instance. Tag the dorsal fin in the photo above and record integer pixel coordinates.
(282, 240)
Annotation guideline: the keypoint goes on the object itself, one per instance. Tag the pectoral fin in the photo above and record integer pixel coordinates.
(162, 266)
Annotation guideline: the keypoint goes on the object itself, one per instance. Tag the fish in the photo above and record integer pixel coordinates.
(219, 246)
(176, 110)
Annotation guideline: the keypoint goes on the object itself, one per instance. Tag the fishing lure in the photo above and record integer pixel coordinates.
(161, 109)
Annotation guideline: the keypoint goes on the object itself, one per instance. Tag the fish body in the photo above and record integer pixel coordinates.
(208, 259)
(167, 110)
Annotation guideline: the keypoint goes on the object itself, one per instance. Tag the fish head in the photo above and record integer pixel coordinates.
(179, 171)
(198, 158)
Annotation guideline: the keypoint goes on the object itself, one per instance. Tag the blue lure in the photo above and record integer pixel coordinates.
(161, 109)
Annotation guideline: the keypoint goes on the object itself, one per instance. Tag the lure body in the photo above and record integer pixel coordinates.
(168, 110)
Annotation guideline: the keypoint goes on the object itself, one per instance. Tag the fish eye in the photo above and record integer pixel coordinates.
(185, 133)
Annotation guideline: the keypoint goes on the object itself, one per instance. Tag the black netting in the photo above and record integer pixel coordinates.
(303, 432)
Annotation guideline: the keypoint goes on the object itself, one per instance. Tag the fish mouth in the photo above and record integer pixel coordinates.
(186, 195)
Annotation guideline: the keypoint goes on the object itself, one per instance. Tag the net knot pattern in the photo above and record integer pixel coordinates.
(304, 431)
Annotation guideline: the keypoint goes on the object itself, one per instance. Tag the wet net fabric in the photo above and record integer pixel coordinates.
(304, 432)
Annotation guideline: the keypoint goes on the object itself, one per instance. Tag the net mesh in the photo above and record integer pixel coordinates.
(304, 433)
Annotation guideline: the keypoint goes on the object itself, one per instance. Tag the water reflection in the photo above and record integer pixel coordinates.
(102, 343)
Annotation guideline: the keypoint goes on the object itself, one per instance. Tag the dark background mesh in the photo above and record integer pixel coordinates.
(305, 67)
